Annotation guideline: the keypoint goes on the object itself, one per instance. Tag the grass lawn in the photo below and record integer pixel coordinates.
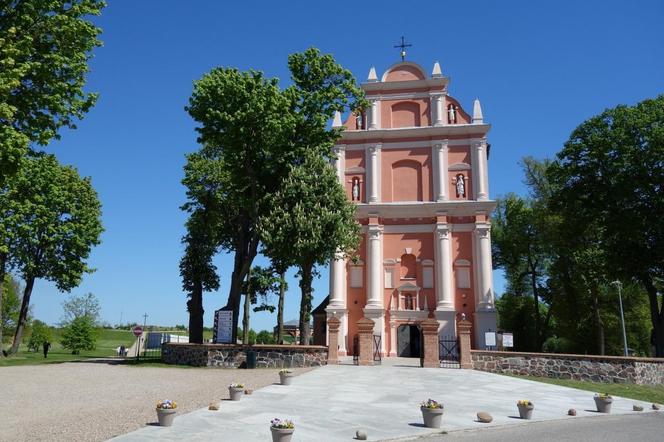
(107, 343)
(647, 393)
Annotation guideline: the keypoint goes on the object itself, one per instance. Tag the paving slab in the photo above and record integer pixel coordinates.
(331, 403)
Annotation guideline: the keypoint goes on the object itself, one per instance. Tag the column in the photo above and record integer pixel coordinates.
(444, 299)
(440, 170)
(486, 299)
(465, 358)
(480, 170)
(393, 338)
(373, 153)
(430, 343)
(338, 282)
(437, 109)
(375, 265)
(365, 329)
(374, 114)
(339, 163)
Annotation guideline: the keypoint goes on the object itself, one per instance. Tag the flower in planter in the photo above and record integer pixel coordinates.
(282, 424)
(430, 403)
(524, 403)
(236, 385)
(285, 371)
(603, 396)
(166, 405)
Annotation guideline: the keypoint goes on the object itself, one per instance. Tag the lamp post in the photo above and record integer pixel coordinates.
(622, 315)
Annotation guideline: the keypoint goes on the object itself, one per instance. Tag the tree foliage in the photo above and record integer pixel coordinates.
(51, 218)
(77, 306)
(311, 221)
(610, 175)
(41, 333)
(251, 133)
(79, 335)
(45, 47)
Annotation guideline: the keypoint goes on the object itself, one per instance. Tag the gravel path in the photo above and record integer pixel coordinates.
(94, 401)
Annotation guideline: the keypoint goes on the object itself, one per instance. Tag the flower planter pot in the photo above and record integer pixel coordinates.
(235, 393)
(432, 417)
(526, 411)
(286, 378)
(603, 405)
(281, 434)
(166, 416)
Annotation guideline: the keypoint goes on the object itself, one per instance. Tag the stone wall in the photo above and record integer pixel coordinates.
(612, 369)
(234, 356)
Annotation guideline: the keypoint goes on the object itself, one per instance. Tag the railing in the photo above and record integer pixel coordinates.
(448, 350)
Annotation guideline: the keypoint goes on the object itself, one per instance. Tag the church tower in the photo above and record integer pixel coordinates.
(415, 163)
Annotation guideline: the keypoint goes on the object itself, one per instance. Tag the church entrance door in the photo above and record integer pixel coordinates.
(408, 341)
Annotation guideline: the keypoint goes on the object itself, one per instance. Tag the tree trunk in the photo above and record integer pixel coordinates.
(306, 278)
(23, 314)
(245, 253)
(656, 316)
(598, 319)
(195, 308)
(3, 260)
(280, 308)
(247, 307)
(538, 332)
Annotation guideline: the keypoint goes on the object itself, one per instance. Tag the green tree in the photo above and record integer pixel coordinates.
(40, 333)
(54, 223)
(10, 307)
(611, 173)
(311, 220)
(79, 335)
(251, 132)
(45, 47)
(264, 337)
(521, 249)
(77, 306)
(261, 283)
(196, 268)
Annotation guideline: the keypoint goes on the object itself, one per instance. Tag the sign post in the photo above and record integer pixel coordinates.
(508, 340)
(138, 332)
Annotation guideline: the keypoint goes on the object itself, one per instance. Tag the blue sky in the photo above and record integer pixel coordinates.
(538, 68)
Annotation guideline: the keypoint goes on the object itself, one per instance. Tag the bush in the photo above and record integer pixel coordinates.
(264, 337)
(79, 335)
(40, 333)
(557, 345)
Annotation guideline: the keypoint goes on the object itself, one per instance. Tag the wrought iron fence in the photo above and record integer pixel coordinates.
(448, 350)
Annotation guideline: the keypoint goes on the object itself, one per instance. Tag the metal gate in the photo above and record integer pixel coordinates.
(376, 349)
(448, 350)
(356, 350)
(376, 353)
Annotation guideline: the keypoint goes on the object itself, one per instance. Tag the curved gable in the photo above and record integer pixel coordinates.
(404, 71)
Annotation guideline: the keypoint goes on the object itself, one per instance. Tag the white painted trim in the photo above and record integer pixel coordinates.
(387, 144)
(410, 228)
(462, 263)
(459, 166)
(427, 262)
(423, 131)
(354, 170)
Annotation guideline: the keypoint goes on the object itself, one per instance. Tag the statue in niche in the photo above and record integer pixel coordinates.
(356, 189)
(460, 186)
(451, 112)
(358, 121)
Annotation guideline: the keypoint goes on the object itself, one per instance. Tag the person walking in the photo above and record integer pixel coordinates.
(47, 346)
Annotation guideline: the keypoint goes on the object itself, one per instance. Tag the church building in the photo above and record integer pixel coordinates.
(415, 163)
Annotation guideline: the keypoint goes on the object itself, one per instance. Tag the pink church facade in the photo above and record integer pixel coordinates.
(415, 163)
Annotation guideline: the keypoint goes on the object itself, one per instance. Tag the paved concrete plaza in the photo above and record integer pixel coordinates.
(331, 403)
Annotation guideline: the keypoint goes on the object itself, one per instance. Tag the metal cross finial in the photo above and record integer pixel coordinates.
(403, 47)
